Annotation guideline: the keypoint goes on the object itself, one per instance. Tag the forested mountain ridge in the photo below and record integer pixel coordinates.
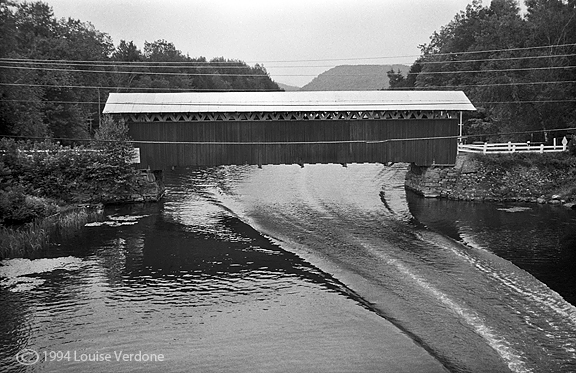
(55, 74)
(519, 69)
(287, 87)
(354, 78)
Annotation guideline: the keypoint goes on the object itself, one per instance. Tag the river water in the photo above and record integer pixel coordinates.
(288, 269)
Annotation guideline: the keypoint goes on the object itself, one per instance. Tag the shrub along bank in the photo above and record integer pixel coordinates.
(42, 184)
(542, 178)
(35, 176)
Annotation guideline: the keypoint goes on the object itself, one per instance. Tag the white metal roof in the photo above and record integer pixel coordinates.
(210, 102)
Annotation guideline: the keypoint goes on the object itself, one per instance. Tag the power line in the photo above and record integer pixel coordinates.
(295, 75)
(502, 50)
(138, 72)
(289, 142)
(236, 105)
(525, 102)
(265, 89)
(303, 60)
(209, 65)
(485, 85)
(128, 63)
(119, 64)
(495, 70)
(136, 88)
(496, 59)
(225, 104)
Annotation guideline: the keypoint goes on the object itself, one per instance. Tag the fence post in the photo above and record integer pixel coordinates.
(509, 146)
(541, 148)
(554, 141)
(564, 143)
(485, 148)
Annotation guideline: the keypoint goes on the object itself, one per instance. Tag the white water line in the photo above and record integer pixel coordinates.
(556, 304)
(498, 343)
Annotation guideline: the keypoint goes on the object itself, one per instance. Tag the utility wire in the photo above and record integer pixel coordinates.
(128, 88)
(525, 102)
(439, 87)
(249, 104)
(495, 70)
(327, 59)
(294, 142)
(495, 59)
(141, 73)
(295, 75)
(264, 89)
(501, 50)
(207, 65)
(139, 65)
(272, 105)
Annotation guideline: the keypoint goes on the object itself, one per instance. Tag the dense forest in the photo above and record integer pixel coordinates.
(518, 68)
(55, 74)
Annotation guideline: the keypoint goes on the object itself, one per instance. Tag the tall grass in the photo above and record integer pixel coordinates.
(31, 239)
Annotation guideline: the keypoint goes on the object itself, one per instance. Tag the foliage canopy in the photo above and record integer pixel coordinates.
(518, 69)
(57, 73)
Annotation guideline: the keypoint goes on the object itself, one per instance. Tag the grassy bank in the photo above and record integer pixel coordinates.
(31, 239)
(43, 183)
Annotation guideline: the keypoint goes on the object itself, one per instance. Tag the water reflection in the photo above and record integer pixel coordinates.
(540, 239)
(187, 279)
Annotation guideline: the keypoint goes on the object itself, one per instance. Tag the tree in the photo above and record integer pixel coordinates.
(488, 52)
(8, 41)
(56, 92)
(127, 52)
(553, 22)
(397, 80)
(42, 102)
(162, 51)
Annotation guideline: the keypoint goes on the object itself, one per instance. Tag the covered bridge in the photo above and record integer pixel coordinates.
(222, 128)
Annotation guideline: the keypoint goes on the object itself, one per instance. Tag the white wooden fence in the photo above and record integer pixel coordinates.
(513, 147)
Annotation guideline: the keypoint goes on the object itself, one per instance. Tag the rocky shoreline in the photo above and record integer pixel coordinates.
(148, 187)
(480, 178)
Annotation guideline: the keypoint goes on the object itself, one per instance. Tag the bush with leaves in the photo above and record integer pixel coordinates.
(100, 172)
(18, 208)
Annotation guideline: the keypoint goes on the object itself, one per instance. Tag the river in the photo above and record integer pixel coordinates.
(287, 269)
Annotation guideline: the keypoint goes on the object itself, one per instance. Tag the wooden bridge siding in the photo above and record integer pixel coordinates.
(422, 152)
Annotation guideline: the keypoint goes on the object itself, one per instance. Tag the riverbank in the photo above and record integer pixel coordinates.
(44, 186)
(30, 239)
(537, 178)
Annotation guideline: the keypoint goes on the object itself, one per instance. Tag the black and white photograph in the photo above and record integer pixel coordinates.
(285, 186)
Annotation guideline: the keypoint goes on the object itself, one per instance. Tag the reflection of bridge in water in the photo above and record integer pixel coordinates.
(220, 128)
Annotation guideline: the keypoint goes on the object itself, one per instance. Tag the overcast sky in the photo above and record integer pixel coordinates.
(283, 35)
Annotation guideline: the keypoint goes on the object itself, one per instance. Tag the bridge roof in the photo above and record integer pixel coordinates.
(211, 102)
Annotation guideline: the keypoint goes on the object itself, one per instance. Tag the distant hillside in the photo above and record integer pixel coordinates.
(354, 78)
(287, 87)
